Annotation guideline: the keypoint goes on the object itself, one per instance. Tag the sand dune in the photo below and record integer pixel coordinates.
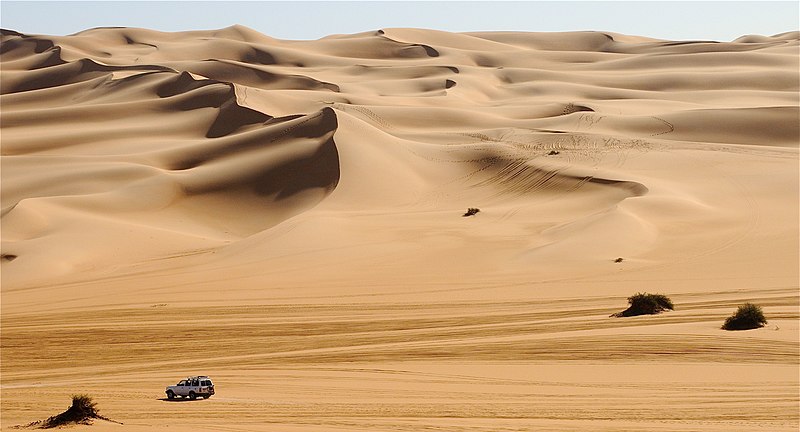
(286, 216)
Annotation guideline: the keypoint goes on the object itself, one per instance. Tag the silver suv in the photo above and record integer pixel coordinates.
(192, 387)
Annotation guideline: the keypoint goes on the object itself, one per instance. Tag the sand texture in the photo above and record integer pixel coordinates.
(286, 217)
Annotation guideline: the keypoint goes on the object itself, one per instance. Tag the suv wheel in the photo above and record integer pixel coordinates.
(192, 395)
(170, 395)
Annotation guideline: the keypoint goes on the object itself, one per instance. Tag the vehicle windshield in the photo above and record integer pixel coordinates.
(182, 383)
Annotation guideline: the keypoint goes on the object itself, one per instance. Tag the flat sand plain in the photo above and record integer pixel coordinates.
(286, 217)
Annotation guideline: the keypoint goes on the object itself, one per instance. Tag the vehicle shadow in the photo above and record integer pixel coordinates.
(164, 399)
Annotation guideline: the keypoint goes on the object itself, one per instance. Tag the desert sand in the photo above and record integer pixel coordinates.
(286, 217)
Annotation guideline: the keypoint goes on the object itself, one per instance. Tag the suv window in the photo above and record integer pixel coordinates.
(205, 383)
(195, 383)
(182, 383)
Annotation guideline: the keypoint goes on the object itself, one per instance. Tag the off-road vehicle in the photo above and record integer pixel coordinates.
(192, 387)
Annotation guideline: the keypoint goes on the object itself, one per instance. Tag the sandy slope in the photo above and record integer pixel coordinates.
(286, 217)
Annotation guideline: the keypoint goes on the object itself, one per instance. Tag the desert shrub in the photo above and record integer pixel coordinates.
(8, 257)
(471, 211)
(646, 304)
(748, 316)
(82, 411)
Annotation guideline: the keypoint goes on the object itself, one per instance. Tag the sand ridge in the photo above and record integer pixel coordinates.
(301, 202)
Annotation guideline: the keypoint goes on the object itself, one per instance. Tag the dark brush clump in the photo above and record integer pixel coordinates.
(82, 411)
(646, 304)
(747, 317)
(471, 211)
(8, 257)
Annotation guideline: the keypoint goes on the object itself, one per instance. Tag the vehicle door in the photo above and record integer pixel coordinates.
(195, 385)
(182, 389)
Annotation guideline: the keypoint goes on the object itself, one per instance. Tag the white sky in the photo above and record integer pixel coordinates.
(676, 20)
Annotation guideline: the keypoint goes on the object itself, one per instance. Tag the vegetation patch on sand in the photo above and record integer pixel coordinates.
(747, 317)
(472, 211)
(82, 411)
(646, 304)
